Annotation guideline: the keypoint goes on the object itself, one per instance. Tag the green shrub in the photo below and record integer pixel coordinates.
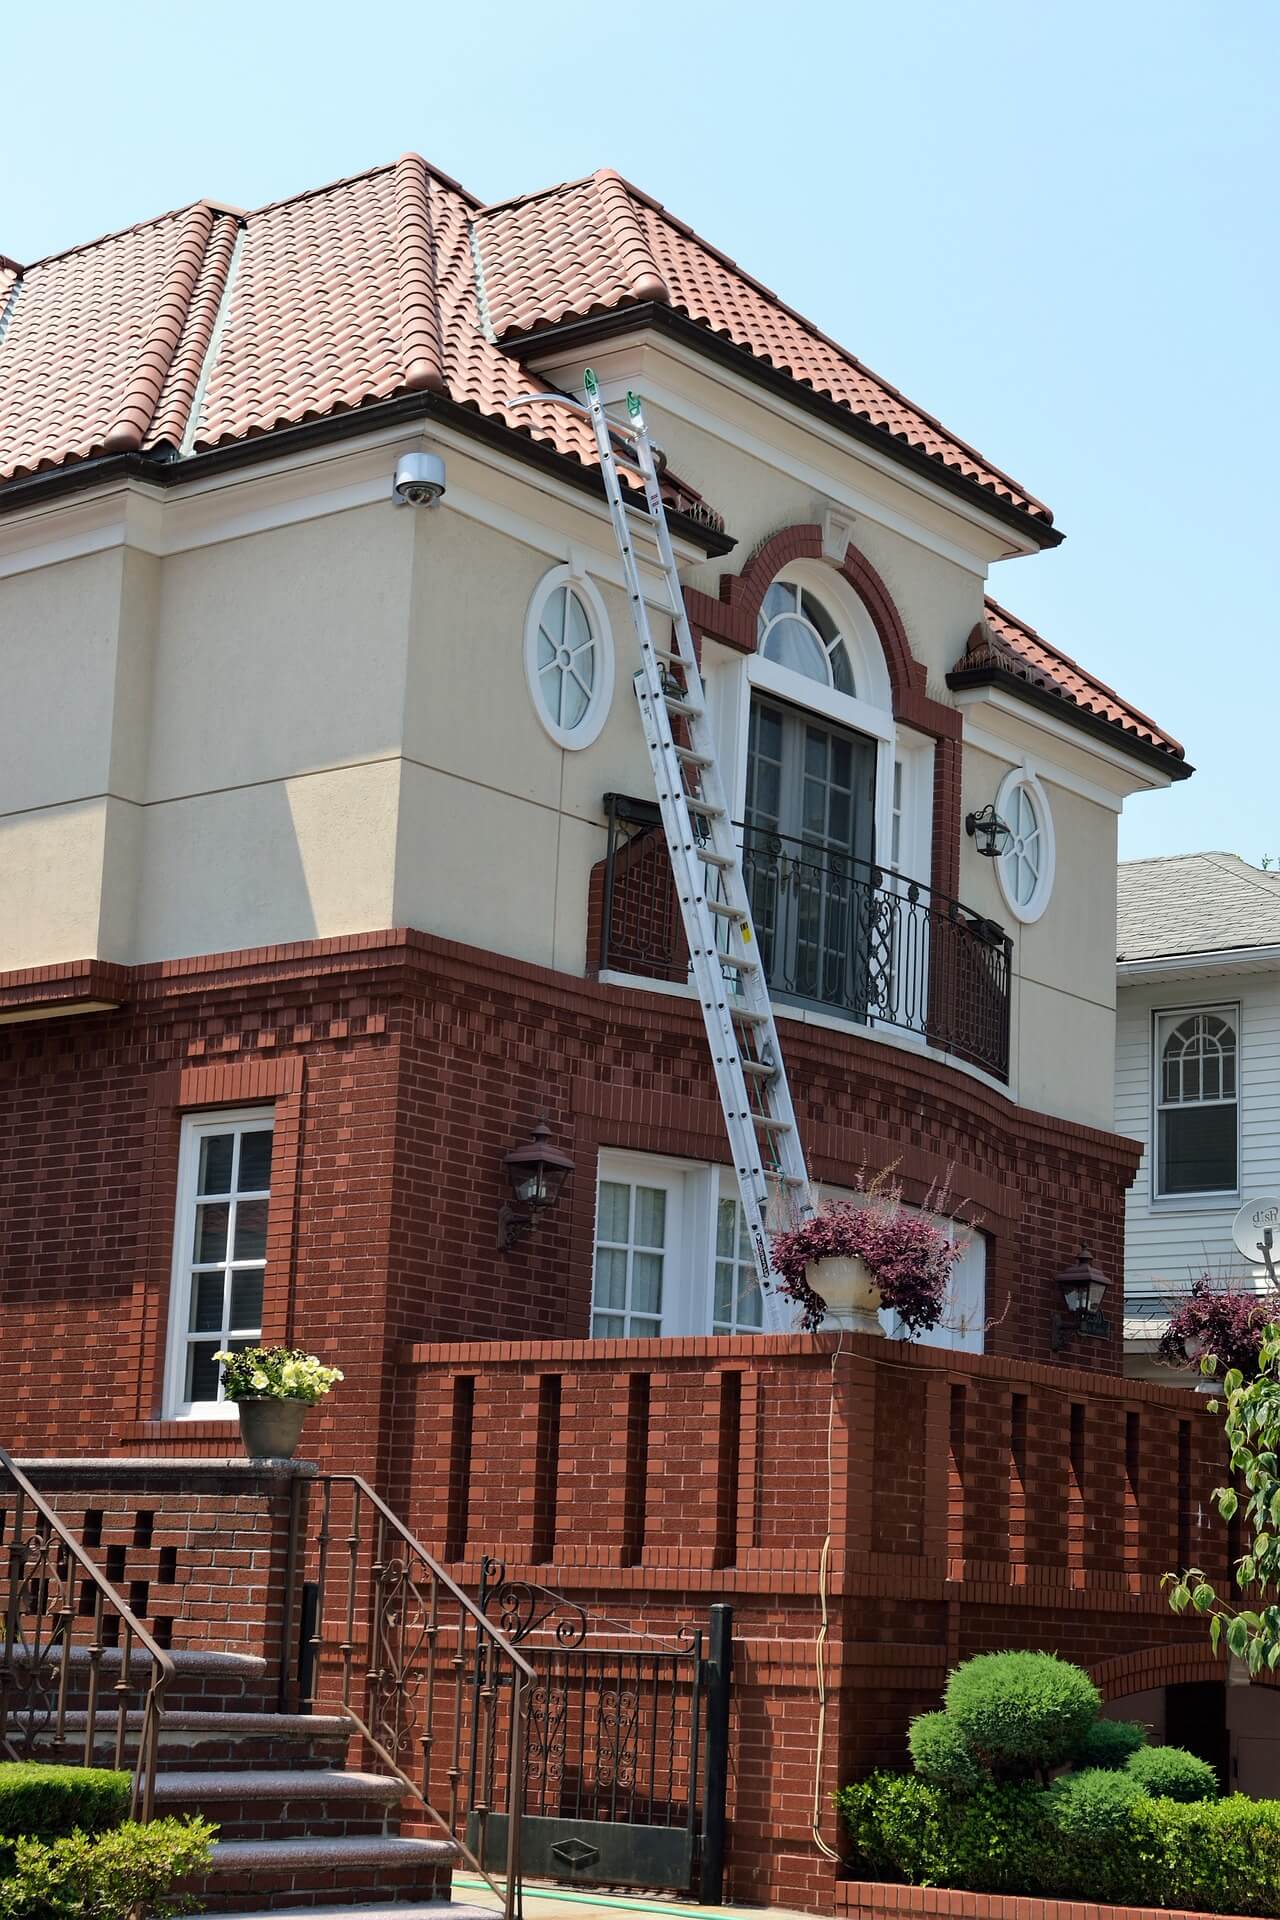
(940, 1753)
(1173, 1773)
(1109, 1743)
(110, 1877)
(995, 1840)
(1090, 1812)
(1213, 1856)
(42, 1802)
(1022, 1713)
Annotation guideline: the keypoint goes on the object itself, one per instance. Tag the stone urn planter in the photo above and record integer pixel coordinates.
(271, 1428)
(851, 1296)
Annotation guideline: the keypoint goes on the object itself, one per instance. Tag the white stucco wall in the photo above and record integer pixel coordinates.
(302, 720)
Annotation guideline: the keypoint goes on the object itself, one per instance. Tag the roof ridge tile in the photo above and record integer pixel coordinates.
(421, 335)
(155, 357)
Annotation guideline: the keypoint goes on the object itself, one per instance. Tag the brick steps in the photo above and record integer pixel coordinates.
(284, 1875)
(204, 1739)
(275, 1803)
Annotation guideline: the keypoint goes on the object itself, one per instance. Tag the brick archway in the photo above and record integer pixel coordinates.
(731, 619)
(1152, 1667)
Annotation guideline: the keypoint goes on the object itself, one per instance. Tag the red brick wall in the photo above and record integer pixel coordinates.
(952, 1530)
(868, 1900)
(402, 1068)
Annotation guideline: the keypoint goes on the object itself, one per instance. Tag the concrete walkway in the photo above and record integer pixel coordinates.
(543, 1901)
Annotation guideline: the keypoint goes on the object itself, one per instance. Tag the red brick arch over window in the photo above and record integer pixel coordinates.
(732, 618)
(1170, 1665)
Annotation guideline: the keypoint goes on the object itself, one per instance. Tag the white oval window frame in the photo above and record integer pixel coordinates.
(588, 729)
(1028, 912)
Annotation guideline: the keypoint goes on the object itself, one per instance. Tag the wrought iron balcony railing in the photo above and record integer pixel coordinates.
(835, 933)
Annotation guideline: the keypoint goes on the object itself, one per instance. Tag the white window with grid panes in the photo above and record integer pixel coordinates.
(220, 1253)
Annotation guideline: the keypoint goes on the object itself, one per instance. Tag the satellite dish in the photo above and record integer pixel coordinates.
(1256, 1231)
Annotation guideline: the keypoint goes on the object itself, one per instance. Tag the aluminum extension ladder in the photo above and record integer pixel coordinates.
(706, 861)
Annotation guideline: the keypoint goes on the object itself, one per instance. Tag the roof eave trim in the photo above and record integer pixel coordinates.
(280, 442)
(1115, 736)
(631, 317)
(1203, 960)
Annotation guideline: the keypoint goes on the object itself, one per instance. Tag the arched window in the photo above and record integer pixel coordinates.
(795, 630)
(1196, 1101)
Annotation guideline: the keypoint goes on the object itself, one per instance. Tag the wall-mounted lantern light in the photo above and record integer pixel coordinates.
(537, 1173)
(1082, 1287)
(989, 833)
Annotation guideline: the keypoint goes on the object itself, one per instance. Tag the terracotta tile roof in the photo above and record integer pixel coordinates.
(387, 283)
(1004, 644)
(597, 244)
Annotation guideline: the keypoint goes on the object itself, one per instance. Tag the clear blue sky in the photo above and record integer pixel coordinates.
(1052, 225)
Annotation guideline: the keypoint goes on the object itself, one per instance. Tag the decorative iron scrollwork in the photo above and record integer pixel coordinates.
(521, 1608)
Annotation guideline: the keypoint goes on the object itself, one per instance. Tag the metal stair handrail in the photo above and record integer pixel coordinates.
(36, 1667)
(399, 1595)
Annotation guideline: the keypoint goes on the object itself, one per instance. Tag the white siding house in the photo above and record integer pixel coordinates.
(1197, 1072)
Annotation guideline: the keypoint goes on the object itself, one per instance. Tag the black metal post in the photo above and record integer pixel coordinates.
(308, 1618)
(716, 1779)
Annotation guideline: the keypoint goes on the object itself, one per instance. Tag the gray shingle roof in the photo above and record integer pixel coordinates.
(1195, 903)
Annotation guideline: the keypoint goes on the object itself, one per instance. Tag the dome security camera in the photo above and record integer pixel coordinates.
(419, 480)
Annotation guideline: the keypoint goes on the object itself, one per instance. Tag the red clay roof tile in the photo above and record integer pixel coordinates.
(1004, 642)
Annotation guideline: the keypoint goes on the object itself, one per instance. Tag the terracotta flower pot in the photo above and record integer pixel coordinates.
(271, 1429)
(851, 1296)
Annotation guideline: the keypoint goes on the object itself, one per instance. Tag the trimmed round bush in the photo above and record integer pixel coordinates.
(940, 1753)
(42, 1802)
(1171, 1773)
(1022, 1713)
(1092, 1813)
(1109, 1743)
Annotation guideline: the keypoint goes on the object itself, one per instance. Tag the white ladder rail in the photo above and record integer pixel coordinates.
(709, 847)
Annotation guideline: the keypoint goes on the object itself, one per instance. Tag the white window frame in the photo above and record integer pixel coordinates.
(1029, 911)
(1205, 1198)
(572, 739)
(694, 1189)
(195, 1128)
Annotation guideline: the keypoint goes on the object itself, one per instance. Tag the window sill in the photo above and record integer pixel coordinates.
(169, 1431)
(1194, 1202)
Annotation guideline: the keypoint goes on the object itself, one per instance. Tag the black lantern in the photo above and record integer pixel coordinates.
(989, 833)
(1082, 1286)
(537, 1173)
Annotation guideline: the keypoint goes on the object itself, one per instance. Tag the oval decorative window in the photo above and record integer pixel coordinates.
(1025, 868)
(568, 657)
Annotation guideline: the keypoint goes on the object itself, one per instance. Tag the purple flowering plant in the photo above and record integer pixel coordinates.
(1223, 1321)
(908, 1256)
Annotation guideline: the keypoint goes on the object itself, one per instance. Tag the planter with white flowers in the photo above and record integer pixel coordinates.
(847, 1261)
(273, 1388)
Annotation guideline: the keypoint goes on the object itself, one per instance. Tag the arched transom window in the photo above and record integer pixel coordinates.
(795, 630)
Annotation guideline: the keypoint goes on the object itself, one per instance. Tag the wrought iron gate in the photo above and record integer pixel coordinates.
(625, 1745)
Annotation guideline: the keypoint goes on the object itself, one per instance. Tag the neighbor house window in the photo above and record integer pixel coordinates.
(568, 657)
(1197, 1101)
(220, 1251)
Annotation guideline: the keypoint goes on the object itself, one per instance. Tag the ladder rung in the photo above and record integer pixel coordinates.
(713, 859)
(692, 758)
(674, 704)
(740, 961)
(749, 1016)
(768, 1124)
(703, 808)
(725, 911)
(759, 1069)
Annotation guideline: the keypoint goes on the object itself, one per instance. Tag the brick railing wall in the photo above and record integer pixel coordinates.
(198, 1549)
(975, 1503)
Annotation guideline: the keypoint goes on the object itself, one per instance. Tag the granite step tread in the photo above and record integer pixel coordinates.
(355, 1850)
(387, 1910)
(209, 1720)
(277, 1783)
